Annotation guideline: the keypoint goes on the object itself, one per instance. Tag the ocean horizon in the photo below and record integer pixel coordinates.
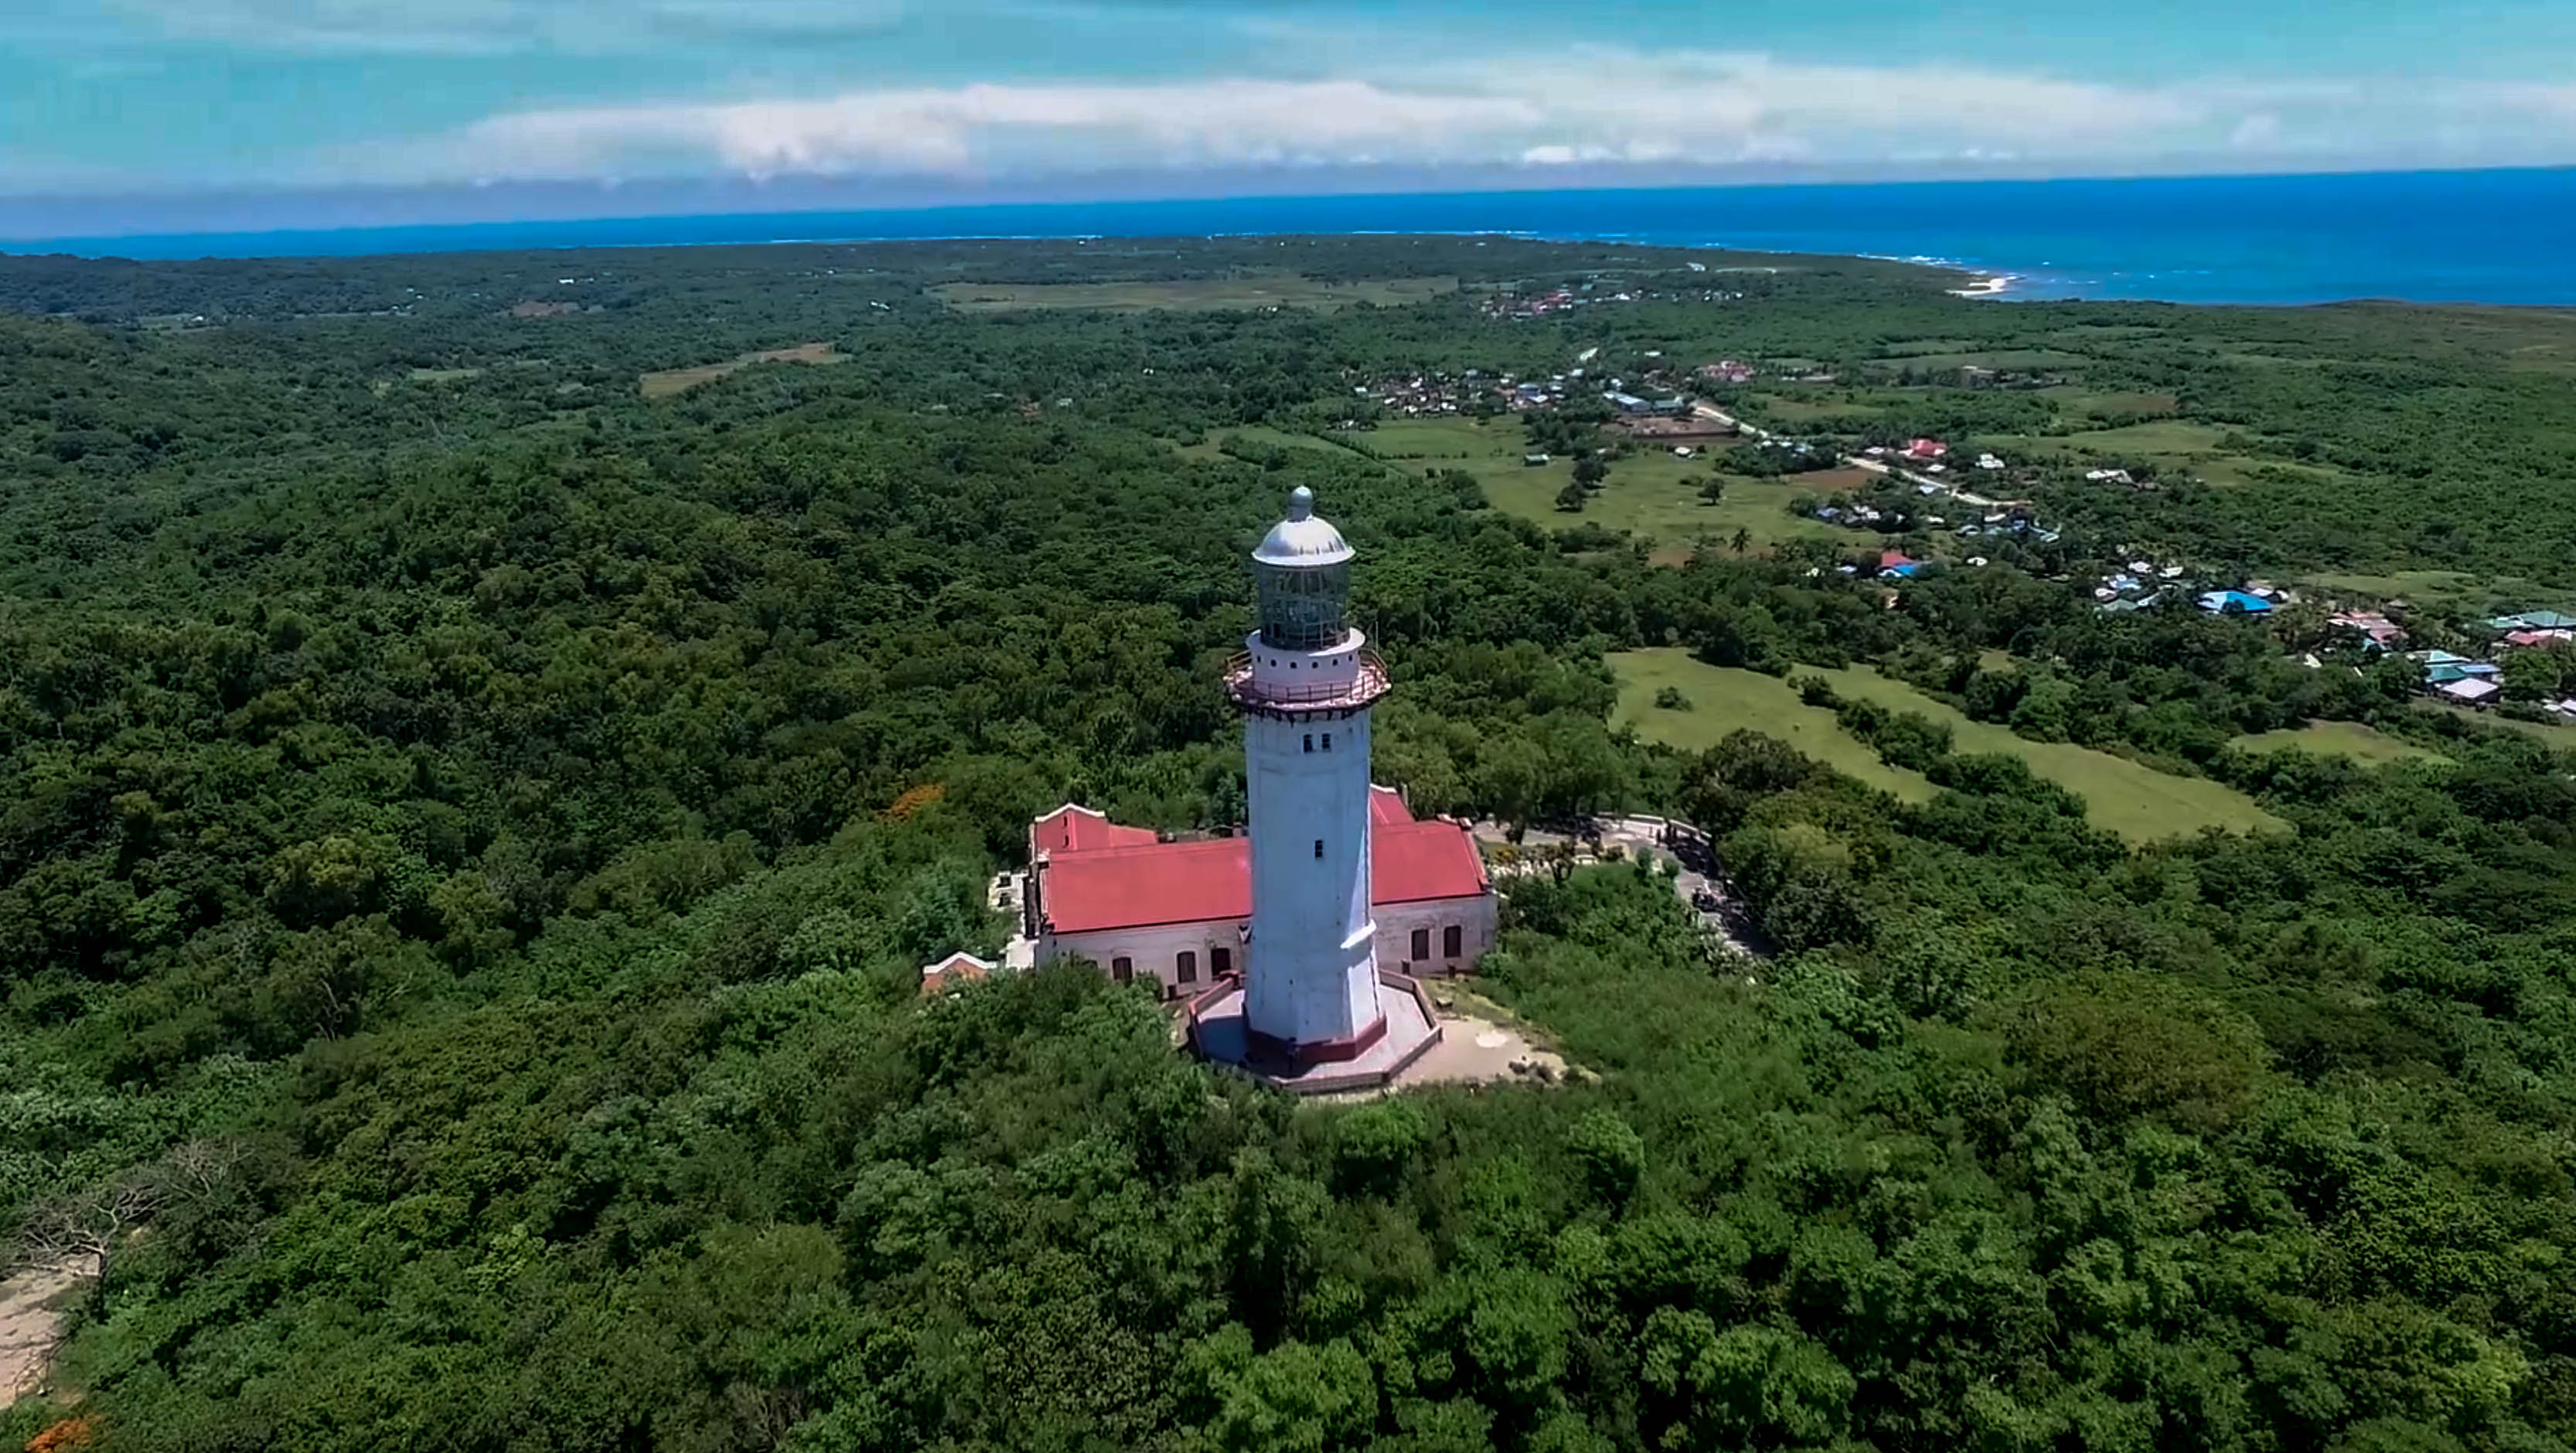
(2497, 237)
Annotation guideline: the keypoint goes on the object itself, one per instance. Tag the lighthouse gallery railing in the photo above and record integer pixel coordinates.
(1365, 686)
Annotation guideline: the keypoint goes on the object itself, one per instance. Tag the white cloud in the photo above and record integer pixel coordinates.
(1597, 105)
(491, 27)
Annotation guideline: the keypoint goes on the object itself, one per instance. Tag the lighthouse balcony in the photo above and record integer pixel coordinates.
(1345, 690)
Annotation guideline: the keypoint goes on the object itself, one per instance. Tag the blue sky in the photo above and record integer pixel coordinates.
(1031, 97)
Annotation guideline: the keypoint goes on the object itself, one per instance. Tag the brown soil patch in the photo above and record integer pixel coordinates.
(31, 1324)
(671, 381)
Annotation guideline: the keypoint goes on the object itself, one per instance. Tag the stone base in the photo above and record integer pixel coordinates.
(1408, 1030)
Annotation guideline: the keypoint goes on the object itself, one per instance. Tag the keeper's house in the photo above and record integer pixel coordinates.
(1180, 913)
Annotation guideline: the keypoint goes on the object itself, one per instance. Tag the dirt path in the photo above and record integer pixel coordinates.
(31, 1321)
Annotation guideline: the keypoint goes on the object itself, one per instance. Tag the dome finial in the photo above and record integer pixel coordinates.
(1301, 503)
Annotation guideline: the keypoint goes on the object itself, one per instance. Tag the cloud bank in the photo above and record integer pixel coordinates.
(1590, 105)
(1594, 106)
(489, 27)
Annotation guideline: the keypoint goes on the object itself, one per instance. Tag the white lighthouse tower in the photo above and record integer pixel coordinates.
(1305, 684)
(1313, 1012)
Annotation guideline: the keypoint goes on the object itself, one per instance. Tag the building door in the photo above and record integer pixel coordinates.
(1185, 969)
(1450, 941)
(1220, 962)
(1123, 969)
(1421, 945)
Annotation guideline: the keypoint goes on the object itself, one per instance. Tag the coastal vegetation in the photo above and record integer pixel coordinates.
(469, 834)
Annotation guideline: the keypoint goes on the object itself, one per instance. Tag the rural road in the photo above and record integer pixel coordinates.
(1874, 466)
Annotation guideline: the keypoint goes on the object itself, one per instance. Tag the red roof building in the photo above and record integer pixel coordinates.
(1180, 911)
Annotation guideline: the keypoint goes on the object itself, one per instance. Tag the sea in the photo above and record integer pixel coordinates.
(2499, 236)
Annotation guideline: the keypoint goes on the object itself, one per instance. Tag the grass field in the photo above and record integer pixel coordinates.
(2018, 360)
(2176, 446)
(2137, 802)
(1792, 409)
(672, 381)
(2452, 589)
(1249, 290)
(1650, 494)
(1724, 700)
(2083, 402)
(2557, 734)
(2342, 739)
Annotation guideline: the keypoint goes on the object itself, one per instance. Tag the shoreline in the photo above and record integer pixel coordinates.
(1987, 285)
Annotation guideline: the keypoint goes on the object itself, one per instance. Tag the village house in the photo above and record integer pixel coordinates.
(2233, 602)
(2377, 631)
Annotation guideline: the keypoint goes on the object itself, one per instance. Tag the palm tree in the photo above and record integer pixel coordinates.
(1743, 540)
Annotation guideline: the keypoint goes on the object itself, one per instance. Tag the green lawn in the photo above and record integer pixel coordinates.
(2362, 744)
(1650, 494)
(2018, 360)
(2477, 595)
(2135, 801)
(2557, 734)
(1725, 699)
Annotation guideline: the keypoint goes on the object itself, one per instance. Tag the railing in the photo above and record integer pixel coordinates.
(1364, 686)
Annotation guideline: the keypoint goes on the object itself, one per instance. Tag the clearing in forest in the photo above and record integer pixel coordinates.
(671, 381)
(1247, 290)
(2366, 745)
(2131, 799)
(1725, 699)
(1649, 494)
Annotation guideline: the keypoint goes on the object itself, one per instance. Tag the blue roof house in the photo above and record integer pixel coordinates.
(2234, 602)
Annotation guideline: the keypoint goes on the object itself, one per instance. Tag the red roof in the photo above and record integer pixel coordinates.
(1890, 559)
(1133, 887)
(1386, 805)
(1071, 829)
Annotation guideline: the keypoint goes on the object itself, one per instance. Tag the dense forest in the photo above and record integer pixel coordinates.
(470, 826)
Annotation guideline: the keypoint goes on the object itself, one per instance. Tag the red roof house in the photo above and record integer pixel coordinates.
(1103, 891)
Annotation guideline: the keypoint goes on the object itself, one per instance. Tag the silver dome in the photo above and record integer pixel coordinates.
(1303, 540)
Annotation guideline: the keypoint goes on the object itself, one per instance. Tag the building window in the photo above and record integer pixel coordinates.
(1123, 969)
(1421, 944)
(1220, 961)
(1186, 967)
(1319, 849)
(1328, 741)
(1310, 741)
(1450, 941)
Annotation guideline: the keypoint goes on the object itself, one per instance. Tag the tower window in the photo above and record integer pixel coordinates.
(1310, 741)
(1328, 741)
(1319, 847)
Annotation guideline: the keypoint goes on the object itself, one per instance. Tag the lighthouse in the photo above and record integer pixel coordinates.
(1305, 683)
(1313, 1010)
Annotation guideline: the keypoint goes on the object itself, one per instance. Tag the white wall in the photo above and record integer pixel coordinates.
(1155, 952)
(1306, 785)
(1396, 922)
